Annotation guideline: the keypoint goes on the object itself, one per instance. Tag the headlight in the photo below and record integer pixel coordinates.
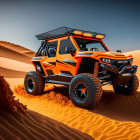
(38, 68)
(106, 60)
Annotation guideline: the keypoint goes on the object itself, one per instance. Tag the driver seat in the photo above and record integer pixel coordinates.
(83, 48)
(52, 52)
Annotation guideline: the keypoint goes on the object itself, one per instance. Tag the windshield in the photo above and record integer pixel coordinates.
(89, 45)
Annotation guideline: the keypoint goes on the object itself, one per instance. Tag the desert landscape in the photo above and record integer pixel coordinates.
(52, 115)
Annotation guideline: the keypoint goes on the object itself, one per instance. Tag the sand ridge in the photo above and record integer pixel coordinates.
(7, 100)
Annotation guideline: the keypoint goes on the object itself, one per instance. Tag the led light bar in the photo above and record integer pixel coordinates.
(99, 36)
(86, 34)
(77, 32)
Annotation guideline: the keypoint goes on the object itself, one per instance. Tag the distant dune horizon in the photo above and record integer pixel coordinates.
(20, 57)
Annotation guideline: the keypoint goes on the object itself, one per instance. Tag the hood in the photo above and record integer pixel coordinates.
(113, 55)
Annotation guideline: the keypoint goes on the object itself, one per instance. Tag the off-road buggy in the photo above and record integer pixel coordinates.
(80, 60)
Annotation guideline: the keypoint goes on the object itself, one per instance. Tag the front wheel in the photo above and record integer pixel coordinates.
(85, 90)
(34, 83)
(128, 89)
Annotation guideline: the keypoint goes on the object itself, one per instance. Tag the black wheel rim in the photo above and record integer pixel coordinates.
(30, 84)
(81, 91)
(125, 87)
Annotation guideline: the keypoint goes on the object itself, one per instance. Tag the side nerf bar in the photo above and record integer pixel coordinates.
(114, 69)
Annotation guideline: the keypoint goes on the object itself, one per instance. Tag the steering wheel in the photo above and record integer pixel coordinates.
(94, 49)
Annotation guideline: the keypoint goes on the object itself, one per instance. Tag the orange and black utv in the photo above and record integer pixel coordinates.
(80, 60)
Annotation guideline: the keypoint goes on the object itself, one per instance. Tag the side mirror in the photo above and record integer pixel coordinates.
(118, 51)
(70, 50)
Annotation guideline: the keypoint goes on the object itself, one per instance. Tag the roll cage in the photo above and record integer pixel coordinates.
(45, 44)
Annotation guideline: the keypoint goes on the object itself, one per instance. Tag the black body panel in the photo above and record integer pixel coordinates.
(38, 64)
(66, 72)
(67, 62)
(70, 62)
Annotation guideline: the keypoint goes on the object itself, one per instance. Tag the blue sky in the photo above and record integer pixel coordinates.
(21, 20)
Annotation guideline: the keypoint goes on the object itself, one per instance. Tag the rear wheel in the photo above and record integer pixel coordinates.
(128, 89)
(85, 90)
(34, 83)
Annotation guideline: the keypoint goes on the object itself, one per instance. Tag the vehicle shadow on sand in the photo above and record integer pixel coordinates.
(119, 107)
(114, 106)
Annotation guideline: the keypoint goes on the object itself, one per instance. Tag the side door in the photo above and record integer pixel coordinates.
(49, 62)
(65, 62)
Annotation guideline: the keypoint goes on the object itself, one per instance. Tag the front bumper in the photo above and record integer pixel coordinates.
(127, 70)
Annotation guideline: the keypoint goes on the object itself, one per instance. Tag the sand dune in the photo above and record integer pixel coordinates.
(14, 55)
(14, 69)
(7, 73)
(15, 126)
(136, 55)
(15, 65)
(122, 121)
(17, 48)
(136, 60)
(15, 60)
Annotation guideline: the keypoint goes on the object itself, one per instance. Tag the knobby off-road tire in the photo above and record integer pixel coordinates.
(34, 83)
(93, 91)
(130, 88)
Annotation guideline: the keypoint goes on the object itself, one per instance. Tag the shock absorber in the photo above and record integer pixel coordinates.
(96, 69)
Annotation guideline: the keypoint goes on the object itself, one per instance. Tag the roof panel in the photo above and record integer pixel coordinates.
(60, 32)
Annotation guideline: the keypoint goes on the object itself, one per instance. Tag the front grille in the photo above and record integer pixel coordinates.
(120, 65)
(128, 71)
